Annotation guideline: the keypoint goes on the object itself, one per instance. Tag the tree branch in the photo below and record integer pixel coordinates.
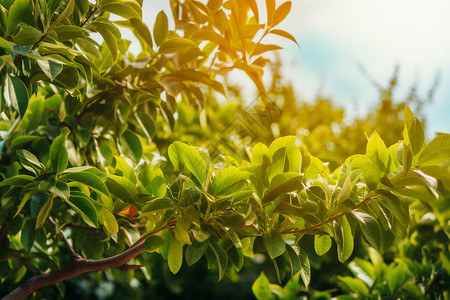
(79, 266)
(66, 242)
(326, 221)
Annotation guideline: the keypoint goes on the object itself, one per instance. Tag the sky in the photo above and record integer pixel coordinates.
(339, 39)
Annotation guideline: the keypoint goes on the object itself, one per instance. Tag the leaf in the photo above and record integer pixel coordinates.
(110, 222)
(16, 94)
(322, 244)
(414, 133)
(355, 285)
(153, 180)
(88, 179)
(157, 204)
(125, 9)
(281, 12)
(176, 44)
(83, 206)
(348, 186)
(283, 184)
(364, 270)
(161, 28)
(24, 200)
(23, 139)
(261, 288)
(153, 242)
(147, 125)
(110, 41)
(195, 251)
(180, 153)
(59, 156)
(305, 272)
(44, 212)
(132, 145)
(344, 239)
(50, 68)
(274, 244)
(175, 256)
(27, 235)
(66, 13)
(435, 151)
(224, 181)
(262, 48)
(221, 257)
(369, 227)
(122, 187)
(18, 180)
(270, 7)
(284, 34)
(430, 181)
(27, 35)
(294, 260)
(5, 45)
(61, 190)
(16, 12)
(37, 201)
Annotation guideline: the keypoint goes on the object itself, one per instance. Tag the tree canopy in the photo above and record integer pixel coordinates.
(101, 160)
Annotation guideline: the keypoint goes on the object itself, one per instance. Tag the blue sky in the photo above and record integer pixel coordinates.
(340, 37)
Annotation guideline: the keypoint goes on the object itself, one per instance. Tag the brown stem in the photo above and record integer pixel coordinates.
(79, 266)
(327, 220)
(3, 233)
(66, 242)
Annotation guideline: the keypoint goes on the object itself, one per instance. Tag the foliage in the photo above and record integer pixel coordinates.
(85, 153)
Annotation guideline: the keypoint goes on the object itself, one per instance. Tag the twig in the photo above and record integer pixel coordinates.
(66, 242)
(327, 220)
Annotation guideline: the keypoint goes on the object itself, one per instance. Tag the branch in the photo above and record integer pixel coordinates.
(326, 221)
(66, 242)
(3, 233)
(79, 266)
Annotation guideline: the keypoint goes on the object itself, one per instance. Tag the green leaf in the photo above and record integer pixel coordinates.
(50, 67)
(66, 13)
(27, 235)
(195, 251)
(364, 270)
(109, 221)
(322, 244)
(283, 184)
(132, 145)
(83, 206)
(261, 288)
(348, 185)
(225, 180)
(122, 188)
(24, 200)
(125, 9)
(61, 190)
(369, 227)
(88, 179)
(44, 212)
(153, 242)
(175, 256)
(274, 244)
(23, 139)
(414, 133)
(180, 153)
(27, 35)
(147, 125)
(157, 204)
(161, 28)
(5, 45)
(152, 178)
(344, 238)
(355, 285)
(59, 157)
(176, 44)
(16, 94)
(16, 13)
(110, 40)
(18, 180)
(435, 151)
(294, 260)
(305, 272)
(37, 201)
(221, 257)
(29, 161)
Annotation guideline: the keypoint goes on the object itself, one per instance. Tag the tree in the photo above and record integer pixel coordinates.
(89, 181)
